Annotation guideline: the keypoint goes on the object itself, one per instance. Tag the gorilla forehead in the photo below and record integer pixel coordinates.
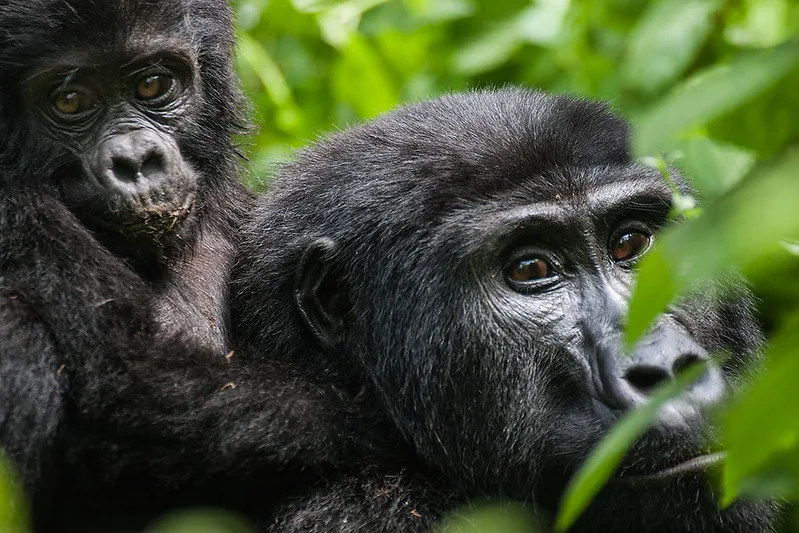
(33, 29)
(469, 146)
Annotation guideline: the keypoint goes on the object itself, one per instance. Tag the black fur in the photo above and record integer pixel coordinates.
(391, 244)
(118, 400)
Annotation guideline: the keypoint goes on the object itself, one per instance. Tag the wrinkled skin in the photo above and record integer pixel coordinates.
(466, 264)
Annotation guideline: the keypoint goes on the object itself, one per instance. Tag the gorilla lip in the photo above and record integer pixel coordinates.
(691, 466)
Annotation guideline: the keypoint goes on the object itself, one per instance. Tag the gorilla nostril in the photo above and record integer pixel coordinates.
(685, 361)
(646, 378)
(124, 169)
(153, 165)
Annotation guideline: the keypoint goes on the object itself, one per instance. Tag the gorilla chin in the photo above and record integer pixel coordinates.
(681, 502)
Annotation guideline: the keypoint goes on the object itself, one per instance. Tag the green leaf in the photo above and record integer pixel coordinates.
(13, 508)
(655, 287)
(362, 80)
(496, 518)
(710, 94)
(665, 40)
(739, 230)
(764, 423)
(201, 521)
(487, 52)
(542, 23)
(604, 460)
(713, 167)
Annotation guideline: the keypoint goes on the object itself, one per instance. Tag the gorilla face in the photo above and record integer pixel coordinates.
(501, 357)
(119, 109)
(474, 256)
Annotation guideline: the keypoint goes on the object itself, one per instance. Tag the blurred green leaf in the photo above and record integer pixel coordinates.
(740, 229)
(201, 521)
(362, 72)
(765, 424)
(489, 51)
(491, 517)
(543, 22)
(604, 460)
(710, 94)
(665, 40)
(713, 167)
(13, 508)
(258, 59)
(762, 23)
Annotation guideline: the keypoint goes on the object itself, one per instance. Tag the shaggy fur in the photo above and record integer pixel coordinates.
(121, 397)
(382, 255)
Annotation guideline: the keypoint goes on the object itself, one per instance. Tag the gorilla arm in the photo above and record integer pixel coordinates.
(158, 402)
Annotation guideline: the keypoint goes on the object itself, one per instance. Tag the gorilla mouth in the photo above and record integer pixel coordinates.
(155, 220)
(700, 463)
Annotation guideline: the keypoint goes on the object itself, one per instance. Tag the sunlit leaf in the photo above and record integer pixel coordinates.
(765, 422)
(361, 80)
(256, 58)
(710, 94)
(489, 51)
(665, 41)
(542, 23)
(713, 167)
(604, 460)
(739, 230)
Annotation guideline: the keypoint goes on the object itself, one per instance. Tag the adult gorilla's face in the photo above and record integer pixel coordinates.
(501, 357)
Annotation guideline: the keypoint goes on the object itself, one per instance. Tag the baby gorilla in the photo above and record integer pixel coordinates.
(119, 209)
(464, 265)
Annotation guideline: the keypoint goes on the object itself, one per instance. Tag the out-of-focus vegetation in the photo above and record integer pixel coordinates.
(13, 509)
(711, 85)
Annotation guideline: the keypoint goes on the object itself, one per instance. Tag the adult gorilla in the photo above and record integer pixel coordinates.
(467, 262)
(119, 205)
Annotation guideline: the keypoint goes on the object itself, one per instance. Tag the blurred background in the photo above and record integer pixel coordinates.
(314, 65)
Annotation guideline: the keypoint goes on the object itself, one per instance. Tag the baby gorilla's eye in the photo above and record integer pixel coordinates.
(70, 102)
(153, 86)
(529, 269)
(630, 245)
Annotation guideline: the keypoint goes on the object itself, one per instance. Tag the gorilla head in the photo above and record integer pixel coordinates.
(125, 110)
(472, 258)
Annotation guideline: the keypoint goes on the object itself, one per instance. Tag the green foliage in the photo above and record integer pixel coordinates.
(201, 521)
(13, 509)
(493, 517)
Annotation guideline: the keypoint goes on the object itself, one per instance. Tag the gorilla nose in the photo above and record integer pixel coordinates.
(645, 378)
(656, 360)
(133, 158)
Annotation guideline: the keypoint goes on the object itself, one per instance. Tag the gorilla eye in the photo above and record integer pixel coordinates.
(530, 269)
(529, 272)
(153, 86)
(630, 245)
(69, 102)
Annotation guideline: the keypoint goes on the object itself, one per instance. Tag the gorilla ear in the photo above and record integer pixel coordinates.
(320, 294)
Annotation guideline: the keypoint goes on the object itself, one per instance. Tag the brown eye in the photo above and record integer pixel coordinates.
(69, 102)
(530, 269)
(630, 245)
(153, 86)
